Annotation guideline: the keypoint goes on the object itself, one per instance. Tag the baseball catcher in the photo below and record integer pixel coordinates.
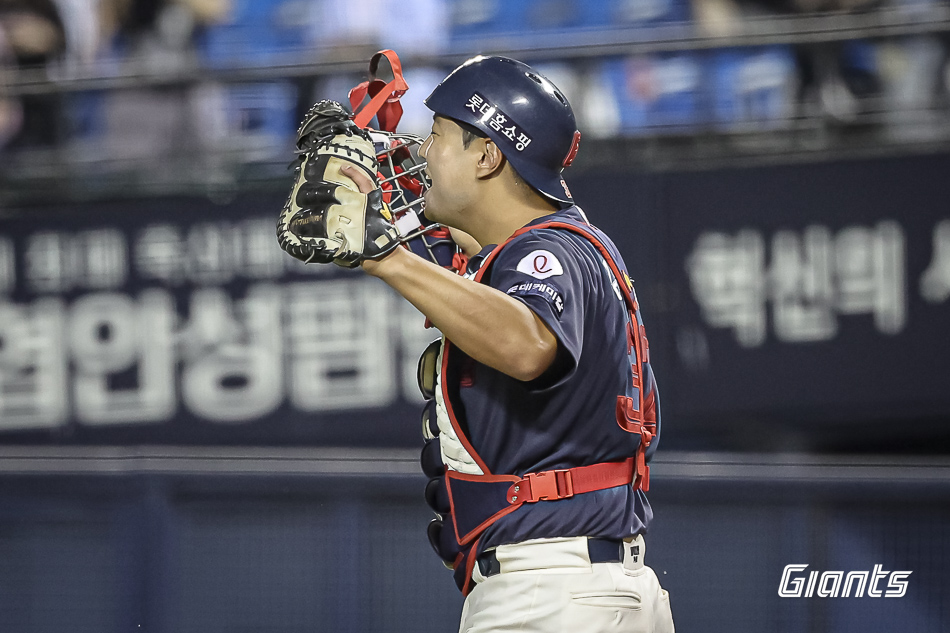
(542, 405)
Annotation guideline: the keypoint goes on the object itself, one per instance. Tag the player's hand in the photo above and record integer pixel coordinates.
(364, 182)
(365, 185)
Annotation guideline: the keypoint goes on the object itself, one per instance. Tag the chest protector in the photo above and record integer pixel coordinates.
(467, 504)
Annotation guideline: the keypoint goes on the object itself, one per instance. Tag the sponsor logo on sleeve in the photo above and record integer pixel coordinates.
(540, 264)
(537, 289)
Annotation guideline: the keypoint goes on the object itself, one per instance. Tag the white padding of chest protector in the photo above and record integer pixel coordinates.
(454, 454)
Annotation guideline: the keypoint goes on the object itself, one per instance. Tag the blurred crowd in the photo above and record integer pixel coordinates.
(737, 88)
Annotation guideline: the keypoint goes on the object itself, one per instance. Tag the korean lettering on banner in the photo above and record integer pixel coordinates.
(232, 352)
(86, 349)
(211, 253)
(340, 354)
(33, 380)
(57, 262)
(813, 277)
(111, 337)
(935, 282)
(726, 276)
(7, 265)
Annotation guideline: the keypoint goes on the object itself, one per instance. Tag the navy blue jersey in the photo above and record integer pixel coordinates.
(567, 417)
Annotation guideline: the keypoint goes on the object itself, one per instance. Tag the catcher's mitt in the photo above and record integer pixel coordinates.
(326, 218)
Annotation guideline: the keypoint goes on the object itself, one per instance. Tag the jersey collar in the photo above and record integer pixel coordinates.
(572, 212)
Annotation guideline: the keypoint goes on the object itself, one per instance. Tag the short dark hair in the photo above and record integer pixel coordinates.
(469, 133)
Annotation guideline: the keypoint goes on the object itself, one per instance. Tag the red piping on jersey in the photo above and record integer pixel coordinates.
(621, 282)
(445, 364)
(564, 483)
(630, 420)
(464, 539)
(642, 474)
(470, 567)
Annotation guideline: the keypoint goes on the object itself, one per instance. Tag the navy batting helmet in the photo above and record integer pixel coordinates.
(521, 111)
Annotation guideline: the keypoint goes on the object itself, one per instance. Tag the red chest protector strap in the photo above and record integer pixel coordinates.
(637, 417)
(477, 501)
(632, 417)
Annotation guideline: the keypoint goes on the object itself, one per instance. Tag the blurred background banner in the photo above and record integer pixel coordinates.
(812, 295)
(788, 301)
(169, 320)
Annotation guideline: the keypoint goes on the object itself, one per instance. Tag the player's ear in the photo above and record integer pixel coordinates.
(491, 161)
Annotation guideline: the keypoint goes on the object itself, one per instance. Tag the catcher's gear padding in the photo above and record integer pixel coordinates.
(326, 218)
(519, 109)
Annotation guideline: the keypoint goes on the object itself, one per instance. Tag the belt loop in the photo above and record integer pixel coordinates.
(486, 566)
(634, 553)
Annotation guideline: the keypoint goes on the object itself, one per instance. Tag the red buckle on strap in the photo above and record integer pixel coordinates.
(549, 485)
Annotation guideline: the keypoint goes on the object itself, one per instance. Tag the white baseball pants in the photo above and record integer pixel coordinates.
(550, 586)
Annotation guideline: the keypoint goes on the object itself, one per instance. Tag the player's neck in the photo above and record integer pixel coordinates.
(504, 210)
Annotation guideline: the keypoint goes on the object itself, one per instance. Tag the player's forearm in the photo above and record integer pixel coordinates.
(486, 324)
